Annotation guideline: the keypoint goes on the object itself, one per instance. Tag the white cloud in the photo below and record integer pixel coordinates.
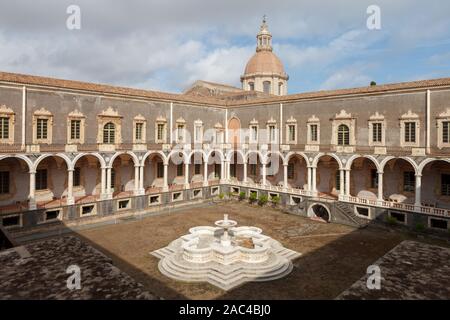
(348, 77)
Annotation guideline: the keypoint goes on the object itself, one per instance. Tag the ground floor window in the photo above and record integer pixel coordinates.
(113, 178)
(179, 170)
(445, 184)
(197, 168)
(77, 177)
(41, 179)
(408, 181)
(217, 170)
(290, 170)
(252, 169)
(159, 170)
(373, 179)
(4, 182)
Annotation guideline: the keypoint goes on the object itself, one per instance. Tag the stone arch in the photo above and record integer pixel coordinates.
(239, 152)
(292, 154)
(427, 161)
(22, 157)
(185, 158)
(94, 154)
(319, 210)
(204, 156)
(350, 161)
(59, 155)
(149, 153)
(407, 159)
(320, 155)
(261, 157)
(130, 153)
(218, 152)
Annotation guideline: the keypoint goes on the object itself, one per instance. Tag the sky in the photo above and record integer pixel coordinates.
(166, 45)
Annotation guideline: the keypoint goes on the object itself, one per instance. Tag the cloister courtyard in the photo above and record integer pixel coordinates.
(333, 259)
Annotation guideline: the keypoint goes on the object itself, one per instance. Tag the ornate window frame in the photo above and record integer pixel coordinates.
(219, 136)
(75, 115)
(343, 118)
(198, 124)
(110, 115)
(409, 117)
(253, 124)
(6, 112)
(47, 115)
(140, 119)
(272, 123)
(377, 118)
(443, 117)
(291, 122)
(161, 121)
(313, 120)
(180, 137)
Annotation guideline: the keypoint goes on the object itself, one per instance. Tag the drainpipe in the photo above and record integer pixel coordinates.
(171, 123)
(281, 124)
(428, 147)
(24, 111)
(226, 126)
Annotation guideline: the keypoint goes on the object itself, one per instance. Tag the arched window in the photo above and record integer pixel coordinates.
(251, 86)
(109, 133)
(280, 88)
(266, 86)
(343, 135)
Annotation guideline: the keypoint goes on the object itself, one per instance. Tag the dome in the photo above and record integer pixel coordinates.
(265, 62)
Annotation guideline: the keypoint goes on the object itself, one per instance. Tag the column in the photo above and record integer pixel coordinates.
(264, 174)
(186, 175)
(418, 201)
(347, 182)
(245, 172)
(136, 179)
(314, 179)
(31, 196)
(70, 199)
(205, 174)
(309, 171)
(380, 186)
(166, 177)
(222, 171)
(108, 183)
(341, 182)
(103, 183)
(141, 180)
(285, 175)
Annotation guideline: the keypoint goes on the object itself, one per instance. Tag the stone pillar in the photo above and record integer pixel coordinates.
(347, 182)
(245, 173)
(70, 199)
(309, 171)
(314, 180)
(186, 175)
(285, 176)
(108, 183)
(205, 174)
(341, 182)
(418, 201)
(380, 186)
(263, 174)
(141, 180)
(31, 196)
(136, 179)
(222, 171)
(166, 178)
(103, 183)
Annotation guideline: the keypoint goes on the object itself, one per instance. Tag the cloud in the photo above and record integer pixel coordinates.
(348, 77)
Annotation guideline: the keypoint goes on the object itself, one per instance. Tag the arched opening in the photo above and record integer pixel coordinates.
(51, 182)
(297, 172)
(364, 179)
(87, 179)
(254, 167)
(234, 128)
(214, 168)
(343, 135)
(196, 169)
(14, 185)
(236, 166)
(109, 133)
(176, 171)
(320, 212)
(275, 171)
(328, 182)
(267, 87)
(153, 173)
(122, 176)
(435, 191)
(399, 181)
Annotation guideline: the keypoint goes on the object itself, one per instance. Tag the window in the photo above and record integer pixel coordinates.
(266, 87)
(252, 169)
(160, 169)
(4, 182)
(338, 180)
(445, 184)
(445, 132)
(197, 168)
(376, 132)
(75, 129)
(4, 128)
(280, 88)
(233, 169)
(254, 133)
(113, 178)
(272, 133)
(41, 179)
(373, 178)
(77, 177)
(408, 181)
(410, 132)
(313, 129)
(161, 132)
(291, 132)
(198, 131)
(139, 129)
(180, 132)
(290, 170)
(343, 135)
(109, 133)
(180, 170)
(42, 129)
(251, 86)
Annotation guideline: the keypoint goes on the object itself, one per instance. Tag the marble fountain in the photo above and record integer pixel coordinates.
(225, 256)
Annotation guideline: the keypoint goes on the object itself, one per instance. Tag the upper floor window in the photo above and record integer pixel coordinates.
(160, 130)
(343, 135)
(198, 131)
(291, 132)
(42, 129)
(313, 132)
(410, 132)
(377, 126)
(377, 133)
(280, 88)
(181, 132)
(254, 133)
(6, 125)
(138, 131)
(75, 129)
(109, 132)
(445, 132)
(251, 86)
(139, 124)
(4, 182)
(267, 87)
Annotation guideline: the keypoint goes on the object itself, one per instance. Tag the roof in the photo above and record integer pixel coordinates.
(264, 62)
(20, 79)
